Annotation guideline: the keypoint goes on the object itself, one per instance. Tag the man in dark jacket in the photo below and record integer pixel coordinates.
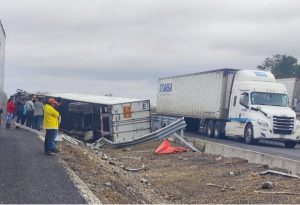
(19, 104)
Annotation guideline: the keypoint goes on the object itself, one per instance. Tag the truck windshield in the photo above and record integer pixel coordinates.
(272, 99)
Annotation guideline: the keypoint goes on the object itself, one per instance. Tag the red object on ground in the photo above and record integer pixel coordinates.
(165, 148)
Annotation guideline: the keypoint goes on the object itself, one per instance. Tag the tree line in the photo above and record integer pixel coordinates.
(282, 66)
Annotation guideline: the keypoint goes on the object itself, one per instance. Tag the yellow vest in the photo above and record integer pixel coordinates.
(50, 117)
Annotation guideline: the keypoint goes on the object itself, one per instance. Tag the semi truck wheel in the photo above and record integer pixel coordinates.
(210, 129)
(248, 134)
(290, 144)
(218, 130)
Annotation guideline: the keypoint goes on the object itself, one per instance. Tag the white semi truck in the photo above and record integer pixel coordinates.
(229, 102)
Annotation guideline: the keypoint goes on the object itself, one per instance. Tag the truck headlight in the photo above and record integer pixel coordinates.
(298, 125)
(262, 123)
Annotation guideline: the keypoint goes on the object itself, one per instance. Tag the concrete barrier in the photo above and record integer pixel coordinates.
(272, 161)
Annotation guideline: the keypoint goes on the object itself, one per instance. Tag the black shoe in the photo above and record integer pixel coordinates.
(48, 153)
(8, 125)
(55, 150)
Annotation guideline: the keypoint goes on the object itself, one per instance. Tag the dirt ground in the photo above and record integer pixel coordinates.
(174, 178)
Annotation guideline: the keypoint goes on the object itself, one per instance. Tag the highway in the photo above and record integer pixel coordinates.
(27, 176)
(267, 147)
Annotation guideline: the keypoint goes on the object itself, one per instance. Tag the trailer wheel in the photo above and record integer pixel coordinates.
(218, 130)
(210, 129)
(248, 134)
(290, 144)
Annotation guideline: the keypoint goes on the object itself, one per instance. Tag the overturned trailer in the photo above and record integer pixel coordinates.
(91, 117)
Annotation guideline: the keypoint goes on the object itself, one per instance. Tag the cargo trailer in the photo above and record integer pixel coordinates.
(91, 117)
(293, 89)
(2, 61)
(230, 102)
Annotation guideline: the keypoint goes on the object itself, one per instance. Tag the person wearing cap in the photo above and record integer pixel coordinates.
(50, 124)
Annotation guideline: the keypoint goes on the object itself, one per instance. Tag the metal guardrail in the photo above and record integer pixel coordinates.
(158, 134)
(42, 134)
(159, 121)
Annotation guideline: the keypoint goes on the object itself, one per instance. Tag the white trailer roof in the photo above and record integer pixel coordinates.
(106, 100)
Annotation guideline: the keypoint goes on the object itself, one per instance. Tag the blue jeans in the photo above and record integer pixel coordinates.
(9, 117)
(49, 144)
(19, 116)
(29, 118)
(38, 121)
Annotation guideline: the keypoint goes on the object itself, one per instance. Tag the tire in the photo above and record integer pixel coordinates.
(248, 134)
(290, 144)
(218, 130)
(210, 129)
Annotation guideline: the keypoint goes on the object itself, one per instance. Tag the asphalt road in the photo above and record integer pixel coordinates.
(273, 148)
(28, 176)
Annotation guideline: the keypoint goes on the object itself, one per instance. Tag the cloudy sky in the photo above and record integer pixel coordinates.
(123, 46)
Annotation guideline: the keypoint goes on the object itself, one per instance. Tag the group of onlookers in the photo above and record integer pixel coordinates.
(33, 112)
(29, 111)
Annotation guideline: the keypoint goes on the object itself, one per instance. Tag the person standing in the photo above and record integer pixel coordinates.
(29, 106)
(10, 109)
(38, 113)
(19, 104)
(50, 124)
(23, 118)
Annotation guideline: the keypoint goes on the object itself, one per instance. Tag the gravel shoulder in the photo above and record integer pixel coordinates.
(174, 178)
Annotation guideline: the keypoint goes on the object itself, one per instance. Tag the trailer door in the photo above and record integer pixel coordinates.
(130, 121)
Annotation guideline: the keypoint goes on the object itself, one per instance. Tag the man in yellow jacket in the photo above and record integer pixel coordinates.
(50, 124)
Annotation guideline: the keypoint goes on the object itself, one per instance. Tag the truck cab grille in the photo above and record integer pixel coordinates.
(283, 125)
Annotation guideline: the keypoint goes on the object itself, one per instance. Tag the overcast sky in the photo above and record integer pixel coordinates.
(124, 46)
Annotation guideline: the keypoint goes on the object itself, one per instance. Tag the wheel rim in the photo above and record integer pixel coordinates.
(209, 130)
(216, 131)
(248, 135)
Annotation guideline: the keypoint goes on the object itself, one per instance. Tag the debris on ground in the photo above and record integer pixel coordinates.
(166, 148)
(185, 142)
(267, 185)
(70, 139)
(226, 186)
(174, 179)
(279, 173)
(134, 169)
(144, 181)
(277, 192)
(219, 158)
(108, 184)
